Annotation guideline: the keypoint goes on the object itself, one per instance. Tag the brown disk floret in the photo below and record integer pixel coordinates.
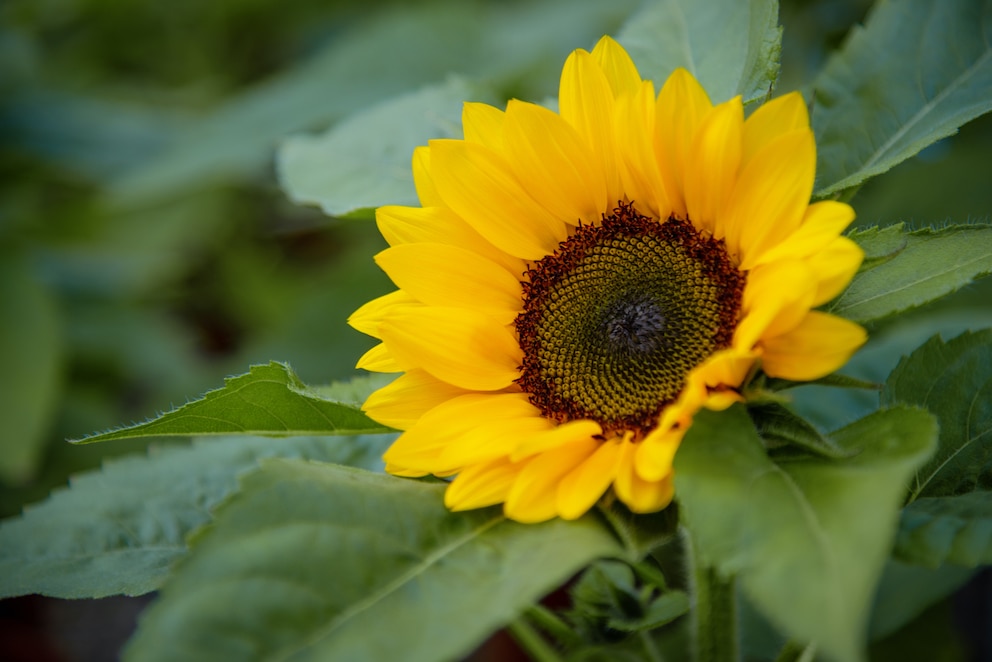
(616, 318)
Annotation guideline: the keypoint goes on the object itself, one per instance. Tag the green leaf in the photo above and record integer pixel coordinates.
(953, 529)
(949, 517)
(355, 391)
(30, 353)
(731, 47)
(120, 528)
(640, 533)
(394, 50)
(315, 561)
(782, 429)
(364, 161)
(270, 400)
(915, 72)
(822, 526)
(954, 381)
(608, 599)
(905, 592)
(934, 263)
(879, 244)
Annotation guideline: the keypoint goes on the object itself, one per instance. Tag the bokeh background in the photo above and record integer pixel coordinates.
(147, 251)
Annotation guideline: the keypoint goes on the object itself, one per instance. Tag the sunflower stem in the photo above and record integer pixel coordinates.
(651, 652)
(553, 625)
(532, 642)
(715, 615)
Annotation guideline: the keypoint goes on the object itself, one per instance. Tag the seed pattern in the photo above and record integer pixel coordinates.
(616, 318)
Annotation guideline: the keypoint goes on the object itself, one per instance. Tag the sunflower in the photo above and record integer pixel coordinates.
(576, 285)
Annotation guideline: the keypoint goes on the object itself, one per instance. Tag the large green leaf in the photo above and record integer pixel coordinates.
(917, 71)
(313, 561)
(953, 529)
(397, 49)
(808, 538)
(30, 349)
(905, 591)
(933, 263)
(731, 47)
(120, 528)
(954, 381)
(270, 400)
(949, 517)
(364, 161)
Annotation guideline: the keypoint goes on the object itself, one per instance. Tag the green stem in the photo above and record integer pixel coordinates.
(532, 642)
(796, 652)
(715, 616)
(651, 652)
(547, 620)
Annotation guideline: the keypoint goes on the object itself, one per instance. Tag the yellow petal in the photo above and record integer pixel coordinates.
(407, 398)
(567, 433)
(639, 171)
(414, 225)
(819, 345)
(397, 470)
(727, 367)
(617, 65)
(483, 124)
(835, 266)
(442, 275)
(712, 164)
(822, 223)
(533, 497)
(467, 416)
(776, 298)
(379, 359)
(463, 347)
(490, 440)
(478, 185)
(582, 487)
(682, 104)
(639, 495)
(422, 179)
(585, 100)
(481, 485)
(778, 116)
(553, 163)
(366, 319)
(654, 455)
(771, 196)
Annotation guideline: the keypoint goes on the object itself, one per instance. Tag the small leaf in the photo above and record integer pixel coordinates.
(951, 529)
(316, 561)
(30, 349)
(270, 400)
(954, 381)
(934, 263)
(120, 528)
(364, 161)
(822, 525)
(608, 600)
(731, 47)
(640, 533)
(878, 102)
(781, 428)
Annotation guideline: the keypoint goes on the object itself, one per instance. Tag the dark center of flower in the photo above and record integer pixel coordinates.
(616, 318)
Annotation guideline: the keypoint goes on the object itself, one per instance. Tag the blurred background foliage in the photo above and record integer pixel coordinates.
(146, 250)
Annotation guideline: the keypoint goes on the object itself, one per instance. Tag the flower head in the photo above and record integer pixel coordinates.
(577, 285)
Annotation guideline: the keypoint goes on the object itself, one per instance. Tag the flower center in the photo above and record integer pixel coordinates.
(616, 318)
